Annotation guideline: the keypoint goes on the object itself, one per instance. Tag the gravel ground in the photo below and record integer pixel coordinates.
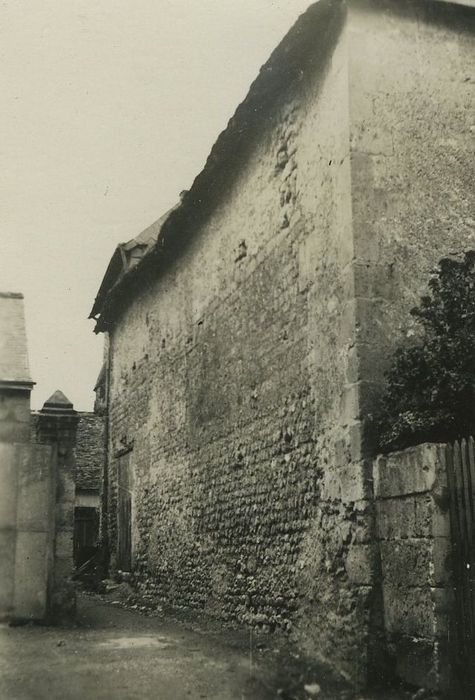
(114, 653)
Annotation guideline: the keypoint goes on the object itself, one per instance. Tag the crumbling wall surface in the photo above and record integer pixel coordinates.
(229, 378)
(89, 451)
(414, 531)
(411, 68)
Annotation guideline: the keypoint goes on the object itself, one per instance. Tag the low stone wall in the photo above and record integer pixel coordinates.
(414, 532)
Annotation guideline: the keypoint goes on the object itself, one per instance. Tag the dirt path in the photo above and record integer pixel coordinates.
(117, 654)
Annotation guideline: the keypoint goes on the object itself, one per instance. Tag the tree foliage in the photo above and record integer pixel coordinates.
(429, 395)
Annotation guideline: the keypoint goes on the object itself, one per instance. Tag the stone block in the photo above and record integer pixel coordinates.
(417, 661)
(357, 441)
(350, 404)
(347, 326)
(353, 373)
(342, 452)
(404, 518)
(331, 486)
(360, 564)
(370, 327)
(414, 470)
(348, 484)
(33, 556)
(357, 401)
(355, 483)
(366, 362)
(406, 562)
(374, 280)
(409, 611)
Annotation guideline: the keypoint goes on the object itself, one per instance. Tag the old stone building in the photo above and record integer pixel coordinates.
(249, 329)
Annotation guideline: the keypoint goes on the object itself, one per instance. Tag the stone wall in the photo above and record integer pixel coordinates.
(413, 525)
(228, 376)
(56, 427)
(411, 91)
(89, 451)
(242, 373)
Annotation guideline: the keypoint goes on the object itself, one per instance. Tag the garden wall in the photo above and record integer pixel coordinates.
(413, 525)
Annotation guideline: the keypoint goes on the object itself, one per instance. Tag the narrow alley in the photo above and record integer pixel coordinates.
(118, 653)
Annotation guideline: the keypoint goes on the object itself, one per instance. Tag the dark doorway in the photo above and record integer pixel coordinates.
(86, 528)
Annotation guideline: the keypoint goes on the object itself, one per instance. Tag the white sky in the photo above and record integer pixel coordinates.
(109, 109)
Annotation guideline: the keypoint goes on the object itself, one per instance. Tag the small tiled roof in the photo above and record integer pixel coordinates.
(89, 452)
(14, 369)
(308, 44)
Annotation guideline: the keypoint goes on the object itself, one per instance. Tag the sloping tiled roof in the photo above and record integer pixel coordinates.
(14, 369)
(126, 256)
(307, 47)
(308, 44)
(89, 451)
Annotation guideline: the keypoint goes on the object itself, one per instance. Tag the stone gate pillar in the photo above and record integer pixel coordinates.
(56, 426)
(15, 389)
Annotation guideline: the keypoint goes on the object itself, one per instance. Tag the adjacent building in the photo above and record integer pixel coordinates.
(36, 485)
(248, 330)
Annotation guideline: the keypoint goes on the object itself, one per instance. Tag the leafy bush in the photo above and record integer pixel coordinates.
(429, 396)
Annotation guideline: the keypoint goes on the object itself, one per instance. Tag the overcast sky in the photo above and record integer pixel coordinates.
(109, 110)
